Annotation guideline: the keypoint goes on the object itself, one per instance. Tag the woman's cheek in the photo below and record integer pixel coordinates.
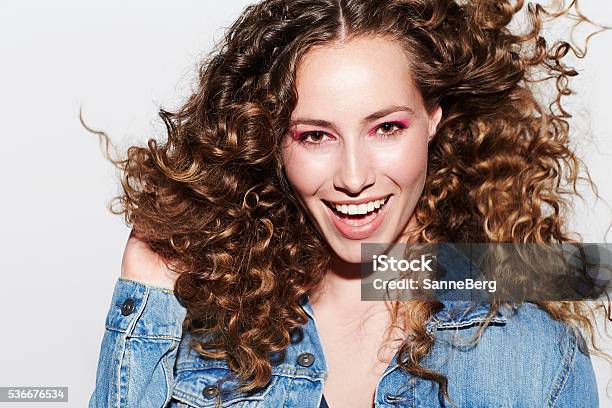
(405, 166)
(304, 173)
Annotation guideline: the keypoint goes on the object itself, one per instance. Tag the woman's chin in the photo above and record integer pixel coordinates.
(349, 252)
(351, 258)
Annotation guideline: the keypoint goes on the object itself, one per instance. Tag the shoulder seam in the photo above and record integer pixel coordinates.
(146, 285)
(568, 362)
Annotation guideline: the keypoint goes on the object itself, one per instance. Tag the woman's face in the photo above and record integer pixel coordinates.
(358, 143)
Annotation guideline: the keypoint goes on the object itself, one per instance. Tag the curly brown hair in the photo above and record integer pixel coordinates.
(215, 198)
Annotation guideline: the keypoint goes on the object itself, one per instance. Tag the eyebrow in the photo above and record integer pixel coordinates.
(376, 115)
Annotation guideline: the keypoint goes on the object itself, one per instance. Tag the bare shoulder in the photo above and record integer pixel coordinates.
(141, 264)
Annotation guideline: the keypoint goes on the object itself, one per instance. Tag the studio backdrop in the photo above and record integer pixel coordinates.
(119, 62)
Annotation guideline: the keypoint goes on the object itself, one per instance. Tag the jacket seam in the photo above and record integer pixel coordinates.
(150, 287)
(289, 389)
(565, 371)
(283, 374)
(298, 375)
(116, 386)
(129, 371)
(186, 399)
(145, 336)
(470, 322)
(122, 399)
(165, 369)
(168, 373)
(289, 372)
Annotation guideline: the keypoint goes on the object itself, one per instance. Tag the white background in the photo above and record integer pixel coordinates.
(121, 61)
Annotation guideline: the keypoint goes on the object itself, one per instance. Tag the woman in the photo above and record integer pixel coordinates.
(423, 111)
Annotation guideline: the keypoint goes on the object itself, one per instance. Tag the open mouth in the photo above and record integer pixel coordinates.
(356, 213)
(358, 222)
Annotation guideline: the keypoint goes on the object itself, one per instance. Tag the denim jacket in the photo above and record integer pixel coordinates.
(523, 359)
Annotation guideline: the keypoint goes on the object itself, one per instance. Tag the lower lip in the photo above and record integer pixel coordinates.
(362, 229)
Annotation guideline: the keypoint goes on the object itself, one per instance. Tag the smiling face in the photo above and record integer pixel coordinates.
(358, 143)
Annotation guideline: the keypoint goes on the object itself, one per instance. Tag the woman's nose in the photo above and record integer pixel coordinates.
(354, 170)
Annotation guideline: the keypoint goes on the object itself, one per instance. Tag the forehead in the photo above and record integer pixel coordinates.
(357, 76)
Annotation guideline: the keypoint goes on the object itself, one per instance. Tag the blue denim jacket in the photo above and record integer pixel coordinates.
(523, 359)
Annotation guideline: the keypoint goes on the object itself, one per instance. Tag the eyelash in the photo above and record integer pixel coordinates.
(302, 136)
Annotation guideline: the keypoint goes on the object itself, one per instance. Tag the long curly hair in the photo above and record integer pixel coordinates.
(214, 202)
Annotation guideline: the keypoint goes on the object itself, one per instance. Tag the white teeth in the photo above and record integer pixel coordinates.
(352, 209)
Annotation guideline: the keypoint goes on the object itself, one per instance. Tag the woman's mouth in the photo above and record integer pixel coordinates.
(358, 221)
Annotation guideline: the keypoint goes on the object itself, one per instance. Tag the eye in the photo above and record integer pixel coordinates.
(316, 137)
(388, 127)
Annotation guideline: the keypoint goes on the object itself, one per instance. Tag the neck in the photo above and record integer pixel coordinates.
(340, 289)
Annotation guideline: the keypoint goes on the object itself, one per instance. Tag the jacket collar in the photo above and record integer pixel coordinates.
(454, 315)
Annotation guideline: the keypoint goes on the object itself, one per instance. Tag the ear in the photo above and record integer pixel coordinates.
(434, 120)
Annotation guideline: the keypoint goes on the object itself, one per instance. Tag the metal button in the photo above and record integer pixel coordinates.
(210, 391)
(306, 359)
(127, 307)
